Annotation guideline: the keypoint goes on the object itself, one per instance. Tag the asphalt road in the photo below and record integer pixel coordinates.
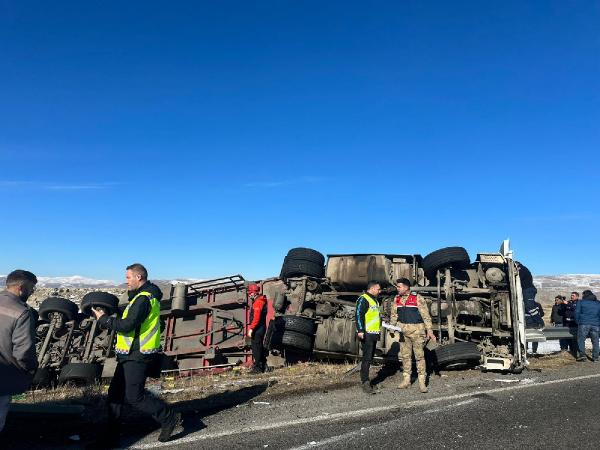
(471, 410)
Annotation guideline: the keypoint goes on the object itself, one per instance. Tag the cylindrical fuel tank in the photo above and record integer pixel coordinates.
(179, 303)
(337, 335)
(353, 272)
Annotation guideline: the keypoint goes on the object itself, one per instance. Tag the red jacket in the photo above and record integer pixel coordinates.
(258, 313)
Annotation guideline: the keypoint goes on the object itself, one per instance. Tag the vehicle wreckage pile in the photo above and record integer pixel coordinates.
(476, 307)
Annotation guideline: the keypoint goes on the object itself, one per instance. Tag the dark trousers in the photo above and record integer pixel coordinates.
(259, 355)
(564, 343)
(592, 331)
(368, 351)
(570, 344)
(534, 347)
(128, 385)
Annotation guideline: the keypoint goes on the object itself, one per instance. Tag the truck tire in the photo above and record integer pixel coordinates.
(99, 299)
(525, 275)
(297, 341)
(81, 374)
(306, 254)
(299, 325)
(60, 305)
(454, 257)
(274, 334)
(459, 354)
(301, 267)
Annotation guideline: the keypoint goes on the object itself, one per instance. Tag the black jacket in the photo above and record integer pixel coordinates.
(533, 314)
(138, 312)
(569, 314)
(556, 316)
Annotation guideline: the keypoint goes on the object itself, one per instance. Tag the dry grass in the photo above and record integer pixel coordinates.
(284, 381)
(552, 361)
(299, 378)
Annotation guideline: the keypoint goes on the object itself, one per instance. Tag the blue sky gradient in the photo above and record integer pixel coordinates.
(208, 138)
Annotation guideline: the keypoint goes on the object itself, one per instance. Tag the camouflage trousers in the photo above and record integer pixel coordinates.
(412, 340)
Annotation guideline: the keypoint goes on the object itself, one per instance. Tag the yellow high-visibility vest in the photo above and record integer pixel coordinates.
(372, 317)
(149, 331)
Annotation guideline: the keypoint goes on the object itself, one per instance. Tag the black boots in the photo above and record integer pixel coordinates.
(367, 388)
(173, 426)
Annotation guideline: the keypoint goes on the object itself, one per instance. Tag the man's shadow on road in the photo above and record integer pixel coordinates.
(194, 410)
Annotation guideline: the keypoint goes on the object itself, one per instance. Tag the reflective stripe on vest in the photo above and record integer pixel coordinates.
(372, 318)
(149, 330)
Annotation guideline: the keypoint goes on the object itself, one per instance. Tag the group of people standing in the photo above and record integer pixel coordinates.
(582, 317)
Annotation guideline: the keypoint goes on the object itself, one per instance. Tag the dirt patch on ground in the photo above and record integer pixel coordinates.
(551, 361)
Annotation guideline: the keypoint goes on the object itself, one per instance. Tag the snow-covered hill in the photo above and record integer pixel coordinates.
(567, 280)
(75, 281)
(78, 281)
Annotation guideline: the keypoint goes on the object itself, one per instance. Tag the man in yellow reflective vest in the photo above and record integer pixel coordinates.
(368, 327)
(137, 348)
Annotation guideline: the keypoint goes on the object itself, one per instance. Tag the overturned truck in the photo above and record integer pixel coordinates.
(476, 308)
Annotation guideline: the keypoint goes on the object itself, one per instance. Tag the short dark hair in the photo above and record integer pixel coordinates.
(20, 276)
(372, 283)
(576, 293)
(587, 293)
(139, 269)
(404, 281)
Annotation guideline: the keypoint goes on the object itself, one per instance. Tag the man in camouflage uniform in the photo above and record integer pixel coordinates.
(413, 318)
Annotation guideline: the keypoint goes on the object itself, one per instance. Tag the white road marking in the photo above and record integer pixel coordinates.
(387, 424)
(453, 405)
(200, 436)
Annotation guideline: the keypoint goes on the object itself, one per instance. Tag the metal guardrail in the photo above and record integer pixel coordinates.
(550, 334)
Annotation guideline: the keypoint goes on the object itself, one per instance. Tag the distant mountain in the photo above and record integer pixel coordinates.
(75, 281)
(78, 281)
(567, 280)
(549, 286)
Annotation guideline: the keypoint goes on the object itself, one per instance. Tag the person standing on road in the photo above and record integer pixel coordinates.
(18, 361)
(587, 315)
(571, 322)
(257, 328)
(368, 328)
(137, 348)
(534, 313)
(556, 316)
(415, 322)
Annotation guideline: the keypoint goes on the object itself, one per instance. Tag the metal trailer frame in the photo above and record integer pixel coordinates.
(205, 325)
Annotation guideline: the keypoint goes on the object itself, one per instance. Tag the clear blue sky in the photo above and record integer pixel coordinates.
(208, 138)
